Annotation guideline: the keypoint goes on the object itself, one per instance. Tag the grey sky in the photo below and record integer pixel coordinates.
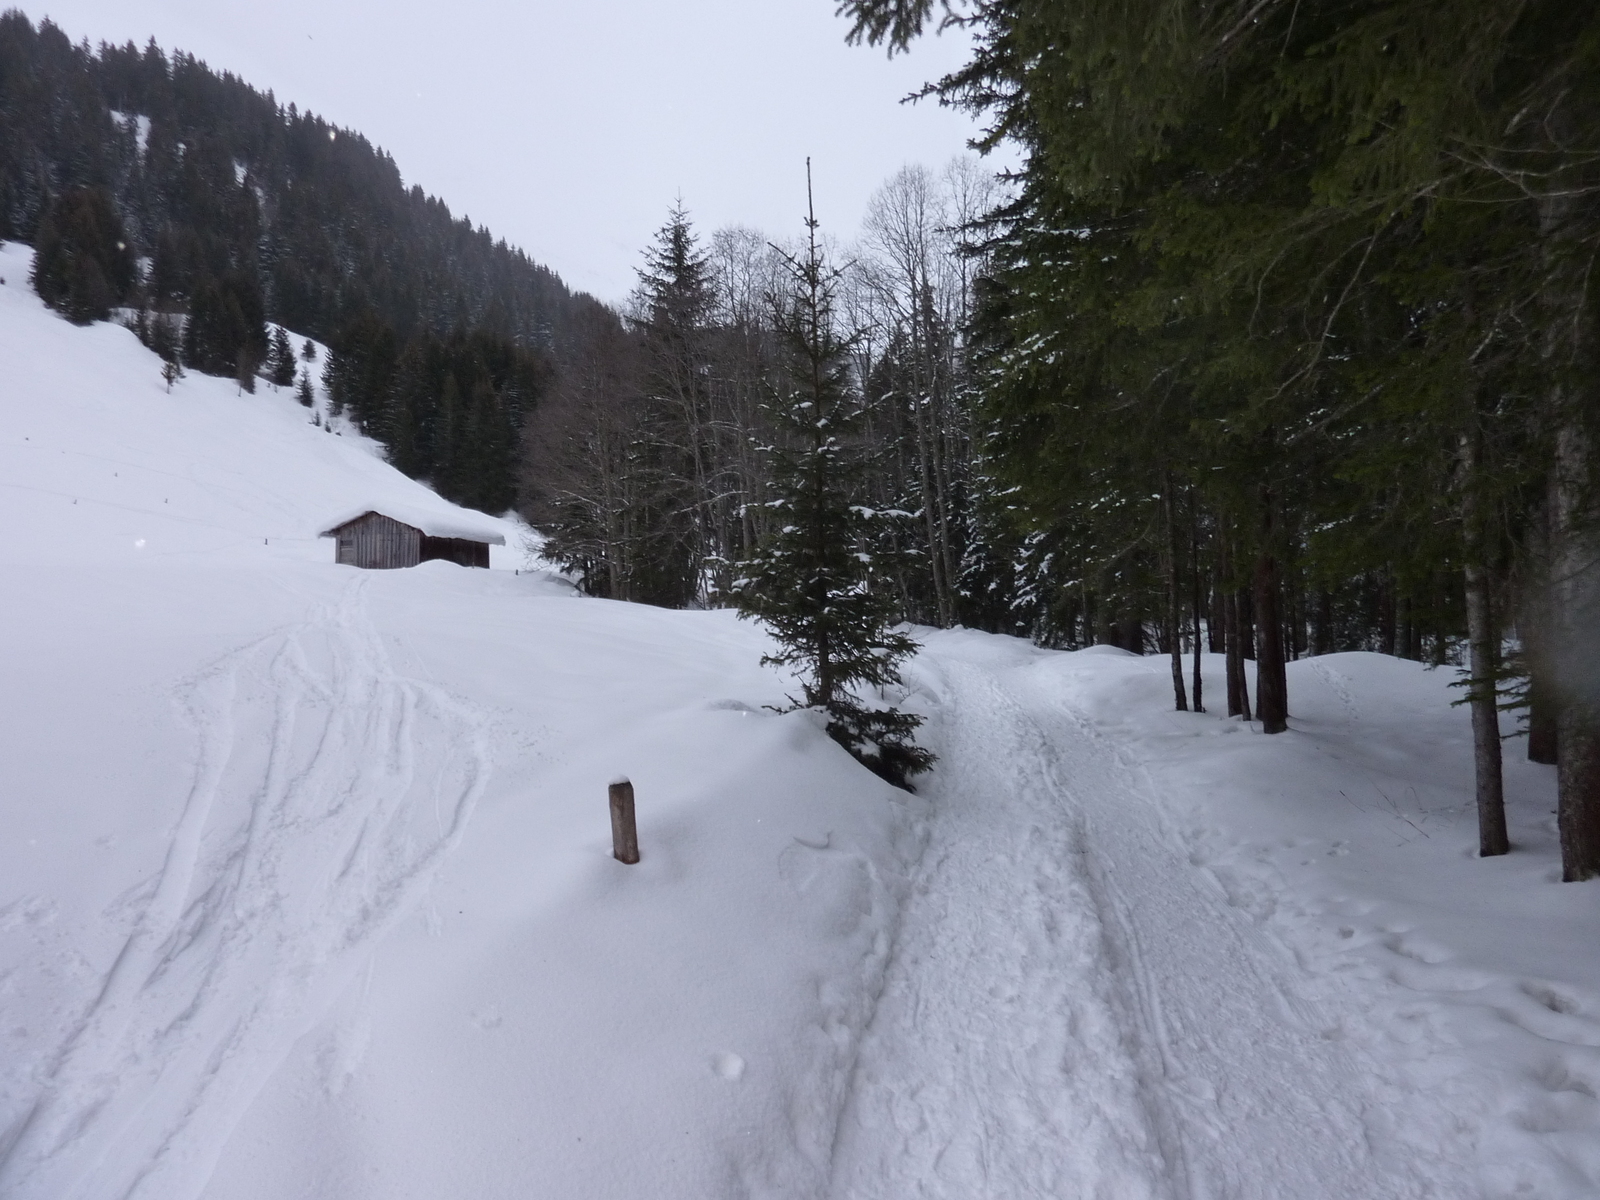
(569, 126)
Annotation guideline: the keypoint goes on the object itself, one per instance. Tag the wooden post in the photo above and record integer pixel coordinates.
(624, 833)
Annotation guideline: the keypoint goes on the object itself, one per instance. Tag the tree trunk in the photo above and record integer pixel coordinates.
(1238, 697)
(1130, 635)
(1567, 226)
(1492, 839)
(1544, 711)
(1198, 598)
(1322, 628)
(1577, 652)
(930, 518)
(1238, 689)
(1386, 614)
(1578, 782)
(941, 475)
(1483, 643)
(1544, 720)
(1105, 626)
(1296, 624)
(1533, 630)
(1247, 623)
(1174, 606)
(1272, 684)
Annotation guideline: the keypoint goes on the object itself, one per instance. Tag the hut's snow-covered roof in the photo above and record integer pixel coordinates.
(450, 523)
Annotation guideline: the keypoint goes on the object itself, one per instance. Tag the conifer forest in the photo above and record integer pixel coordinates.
(1282, 340)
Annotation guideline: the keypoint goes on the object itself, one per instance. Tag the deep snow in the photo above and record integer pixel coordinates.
(1159, 954)
(306, 886)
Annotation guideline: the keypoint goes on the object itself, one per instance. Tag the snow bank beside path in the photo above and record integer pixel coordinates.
(1473, 984)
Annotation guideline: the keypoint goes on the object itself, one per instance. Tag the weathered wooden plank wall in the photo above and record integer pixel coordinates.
(378, 541)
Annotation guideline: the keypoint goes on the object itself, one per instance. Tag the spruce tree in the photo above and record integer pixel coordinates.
(165, 337)
(82, 264)
(814, 582)
(675, 299)
(280, 359)
(303, 393)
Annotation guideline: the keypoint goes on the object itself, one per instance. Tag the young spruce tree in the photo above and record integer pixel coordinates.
(675, 299)
(280, 359)
(811, 582)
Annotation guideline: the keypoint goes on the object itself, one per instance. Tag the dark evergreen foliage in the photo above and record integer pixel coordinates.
(1294, 305)
(450, 410)
(164, 336)
(244, 211)
(83, 264)
(226, 330)
(281, 364)
(816, 581)
(675, 299)
(227, 179)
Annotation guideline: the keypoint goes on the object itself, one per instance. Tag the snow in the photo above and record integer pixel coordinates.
(1241, 966)
(308, 887)
(440, 521)
(138, 123)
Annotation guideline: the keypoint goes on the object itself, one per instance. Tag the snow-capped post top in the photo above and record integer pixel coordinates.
(624, 833)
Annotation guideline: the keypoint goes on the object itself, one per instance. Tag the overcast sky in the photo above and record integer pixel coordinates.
(569, 126)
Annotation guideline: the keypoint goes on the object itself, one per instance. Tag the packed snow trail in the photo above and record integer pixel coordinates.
(326, 790)
(1074, 1010)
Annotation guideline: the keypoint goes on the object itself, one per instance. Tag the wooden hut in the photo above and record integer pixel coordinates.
(404, 537)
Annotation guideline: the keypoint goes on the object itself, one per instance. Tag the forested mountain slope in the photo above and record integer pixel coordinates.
(160, 184)
(212, 176)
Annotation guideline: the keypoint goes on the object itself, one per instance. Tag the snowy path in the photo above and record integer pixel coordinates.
(325, 791)
(1028, 1045)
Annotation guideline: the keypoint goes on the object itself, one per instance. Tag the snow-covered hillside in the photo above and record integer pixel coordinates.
(325, 854)
(306, 887)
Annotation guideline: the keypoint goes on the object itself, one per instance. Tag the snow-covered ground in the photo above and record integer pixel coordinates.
(305, 883)
(1156, 954)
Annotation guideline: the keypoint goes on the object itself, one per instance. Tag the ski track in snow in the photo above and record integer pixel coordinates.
(327, 789)
(1042, 1035)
